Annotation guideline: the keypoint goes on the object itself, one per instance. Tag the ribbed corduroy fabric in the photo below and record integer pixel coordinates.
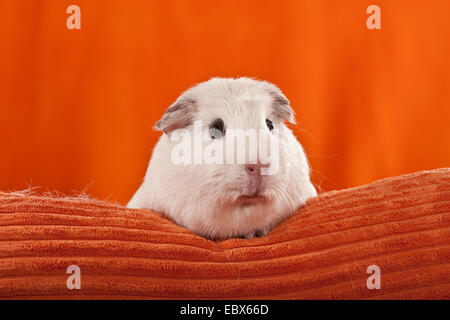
(400, 224)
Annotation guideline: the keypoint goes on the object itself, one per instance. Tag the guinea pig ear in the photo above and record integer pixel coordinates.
(178, 115)
(281, 106)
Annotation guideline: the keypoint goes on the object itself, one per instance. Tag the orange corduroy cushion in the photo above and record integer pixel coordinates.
(400, 224)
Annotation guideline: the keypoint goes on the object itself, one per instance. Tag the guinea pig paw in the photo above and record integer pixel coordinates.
(261, 233)
(257, 233)
(249, 235)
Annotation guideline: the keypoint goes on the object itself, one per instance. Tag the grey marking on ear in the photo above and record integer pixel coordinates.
(178, 115)
(281, 106)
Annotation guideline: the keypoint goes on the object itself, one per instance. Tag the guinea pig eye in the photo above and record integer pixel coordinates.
(269, 124)
(217, 129)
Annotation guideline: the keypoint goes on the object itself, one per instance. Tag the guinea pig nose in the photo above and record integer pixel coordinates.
(252, 169)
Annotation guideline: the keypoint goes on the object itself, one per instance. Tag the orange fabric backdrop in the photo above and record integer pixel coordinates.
(77, 106)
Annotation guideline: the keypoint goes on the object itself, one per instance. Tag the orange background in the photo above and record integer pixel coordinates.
(77, 106)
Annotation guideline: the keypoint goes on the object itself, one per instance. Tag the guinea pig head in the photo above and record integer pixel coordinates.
(240, 169)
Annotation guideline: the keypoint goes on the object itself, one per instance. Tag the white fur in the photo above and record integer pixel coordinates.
(205, 197)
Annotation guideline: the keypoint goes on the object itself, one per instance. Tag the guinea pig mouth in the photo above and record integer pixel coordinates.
(251, 199)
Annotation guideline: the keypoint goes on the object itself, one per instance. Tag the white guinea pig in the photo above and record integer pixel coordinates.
(222, 199)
